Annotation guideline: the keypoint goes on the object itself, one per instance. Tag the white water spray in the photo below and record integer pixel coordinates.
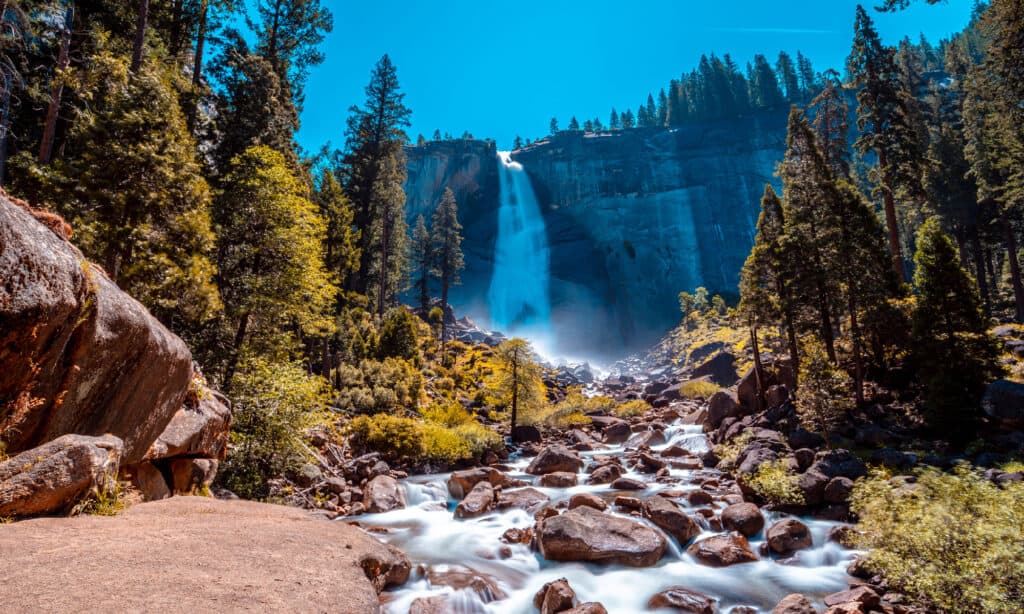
(519, 295)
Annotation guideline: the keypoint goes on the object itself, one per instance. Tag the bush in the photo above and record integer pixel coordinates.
(699, 389)
(461, 439)
(273, 404)
(398, 336)
(447, 413)
(387, 434)
(774, 483)
(823, 398)
(376, 387)
(950, 541)
(728, 452)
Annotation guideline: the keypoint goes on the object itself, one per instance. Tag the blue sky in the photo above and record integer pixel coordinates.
(498, 69)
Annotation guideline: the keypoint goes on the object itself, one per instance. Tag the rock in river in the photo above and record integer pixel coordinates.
(585, 534)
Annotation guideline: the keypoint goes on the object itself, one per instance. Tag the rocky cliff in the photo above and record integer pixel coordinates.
(633, 217)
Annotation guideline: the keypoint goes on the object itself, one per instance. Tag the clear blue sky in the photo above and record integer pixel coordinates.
(499, 69)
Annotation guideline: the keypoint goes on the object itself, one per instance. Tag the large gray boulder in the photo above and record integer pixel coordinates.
(585, 534)
(555, 458)
(1004, 400)
(54, 476)
(79, 356)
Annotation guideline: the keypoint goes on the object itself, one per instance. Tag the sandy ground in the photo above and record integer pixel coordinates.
(186, 554)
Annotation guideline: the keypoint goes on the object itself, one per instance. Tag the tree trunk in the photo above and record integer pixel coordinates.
(236, 348)
(979, 267)
(891, 223)
(758, 366)
(1011, 253)
(515, 395)
(177, 17)
(56, 91)
(140, 35)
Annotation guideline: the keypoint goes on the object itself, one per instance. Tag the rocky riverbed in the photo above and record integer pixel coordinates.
(627, 514)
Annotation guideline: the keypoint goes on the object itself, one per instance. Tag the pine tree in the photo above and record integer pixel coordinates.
(271, 258)
(574, 125)
(885, 125)
(520, 379)
(830, 124)
(517, 143)
(662, 112)
(289, 33)
(553, 126)
(446, 235)
(628, 121)
(808, 80)
(764, 85)
(422, 261)
(787, 74)
(954, 354)
(342, 239)
(613, 120)
(588, 126)
(651, 111)
(374, 169)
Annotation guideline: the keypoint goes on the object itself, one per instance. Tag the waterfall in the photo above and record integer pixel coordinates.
(518, 297)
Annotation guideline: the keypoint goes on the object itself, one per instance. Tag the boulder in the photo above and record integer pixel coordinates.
(199, 429)
(555, 458)
(554, 597)
(605, 474)
(1004, 400)
(617, 432)
(54, 476)
(585, 534)
(479, 501)
(148, 480)
(461, 578)
(788, 536)
(723, 550)
(723, 404)
(812, 484)
(838, 490)
(79, 355)
(588, 500)
(667, 516)
(435, 604)
(646, 439)
(682, 599)
(191, 475)
(794, 604)
(776, 395)
(835, 463)
(383, 494)
(590, 607)
(744, 518)
(529, 499)
(866, 597)
(461, 482)
(559, 479)
(628, 484)
(720, 369)
(527, 432)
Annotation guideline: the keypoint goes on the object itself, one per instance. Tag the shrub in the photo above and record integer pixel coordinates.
(447, 413)
(822, 401)
(632, 408)
(774, 483)
(379, 386)
(951, 541)
(461, 439)
(387, 434)
(398, 336)
(728, 452)
(273, 404)
(699, 389)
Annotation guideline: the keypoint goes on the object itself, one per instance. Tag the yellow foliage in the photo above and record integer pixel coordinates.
(775, 483)
(699, 389)
(632, 408)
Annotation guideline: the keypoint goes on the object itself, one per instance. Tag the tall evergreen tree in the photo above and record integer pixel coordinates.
(289, 33)
(520, 379)
(574, 125)
(446, 235)
(628, 120)
(808, 79)
(764, 86)
(787, 75)
(374, 169)
(886, 127)
(613, 120)
(422, 261)
(553, 126)
(341, 245)
(831, 125)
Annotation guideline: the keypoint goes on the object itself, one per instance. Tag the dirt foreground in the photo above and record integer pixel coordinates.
(189, 554)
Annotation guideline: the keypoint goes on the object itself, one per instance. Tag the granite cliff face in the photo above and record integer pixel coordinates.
(633, 217)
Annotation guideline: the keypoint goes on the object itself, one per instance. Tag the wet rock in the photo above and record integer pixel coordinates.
(628, 484)
(617, 432)
(559, 479)
(845, 608)
(862, 595)
(788, 536)
(528, 433)
(723, 404)
(650, 462)
(723, 550)
(675, 451)
(588, 500)
(646, 439)
(383, 494)
(838, 490)
(794, 604)
(461, 482)
(585, 534)
(628, 503)
(387, 566)
(590, 607)
(436, 604)
(720, 369)
(605, 474)
(555, 458)
(517, 536)
(529, 499)
(698, 497)
(667, 516)
(682, 600)
(744, 518)
(479, 501)
(465, 579)
(554, 597)
(55, 475)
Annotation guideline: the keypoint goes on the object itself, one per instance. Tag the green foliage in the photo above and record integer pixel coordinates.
(698, 389)
(410, 439)
(823, 399)
(728, 452)
(379, 386)
(631, 409)
(398, 336)
(776, 484)
(949, 541)
(273, 404)
(954, 353)
(387, 434)
(517, 383)
(109, 500)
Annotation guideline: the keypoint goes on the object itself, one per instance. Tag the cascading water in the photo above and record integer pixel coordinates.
(519, 295)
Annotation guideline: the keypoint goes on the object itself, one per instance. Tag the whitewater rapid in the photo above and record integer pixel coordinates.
(519, 295)
(438, 543)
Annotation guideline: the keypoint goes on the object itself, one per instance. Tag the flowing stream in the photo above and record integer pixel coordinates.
(440, 546)
(519, 294)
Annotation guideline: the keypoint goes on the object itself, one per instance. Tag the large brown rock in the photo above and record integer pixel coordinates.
(743, 517)
(77, 354)
(383, 494)
(794, 604)
(479, 501)
(199, 429)
(787, 536)
(682, 599)
(148, 481)
(723, 404)
(554, 597)
(192, 475)
(723, 550)
(590, 607)
(529, 499)
(585, 534)
(57, 474)
(555, 458)
(461, 482)
(667, 516)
